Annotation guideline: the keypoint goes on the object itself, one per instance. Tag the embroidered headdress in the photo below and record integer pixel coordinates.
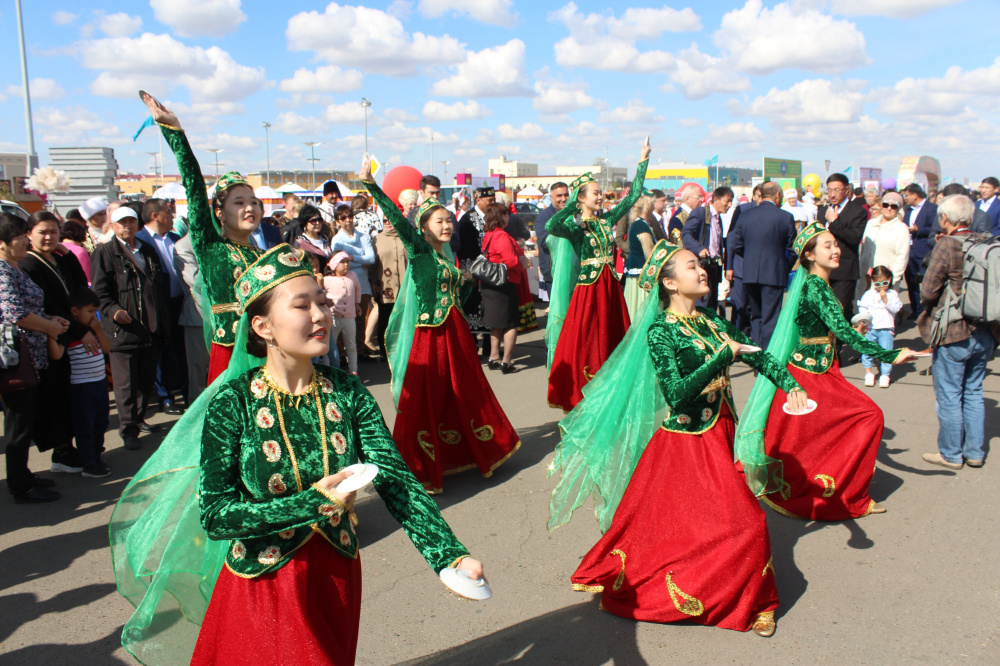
(662, 252)
(806, 235)
(228, 180)
(277, 265)
(485, 191)
(581, 181)
(427, 205)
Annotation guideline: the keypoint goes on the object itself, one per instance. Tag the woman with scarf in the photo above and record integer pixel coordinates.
(596, 318)
(449, 420)
(652, 441)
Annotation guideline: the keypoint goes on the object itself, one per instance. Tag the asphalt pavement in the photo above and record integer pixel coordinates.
(919, 584)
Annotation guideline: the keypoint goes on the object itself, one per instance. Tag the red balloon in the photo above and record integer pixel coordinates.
(398, 179)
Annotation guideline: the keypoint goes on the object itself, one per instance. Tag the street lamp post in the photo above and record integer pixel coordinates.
(267, 141)
(216, 151)
(445, 164)
(27, 92)
(365, 104)
(313, 159)
(156, 169)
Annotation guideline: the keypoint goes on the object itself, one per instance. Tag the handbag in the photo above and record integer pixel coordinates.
(488, 272)
(18, 370)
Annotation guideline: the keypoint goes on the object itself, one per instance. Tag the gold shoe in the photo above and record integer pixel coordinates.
(877, 508)
(764, 625)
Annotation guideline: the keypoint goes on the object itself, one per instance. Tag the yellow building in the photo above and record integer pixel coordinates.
(142, 183)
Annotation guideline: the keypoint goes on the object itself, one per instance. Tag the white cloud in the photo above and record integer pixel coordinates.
(690, 122)
(943, 96)
(293, 123)
(890, 8)
(347, 113)
(435, 111)
(399, 116)
(526, 132)
(370, 39)
(200, 18)
(138, 62)
(492, 72)
(600, 41)
(298, 100)
(63, 18)
(119, 25)
(634, 111)
(228, 142)
(470, 152)
(699, 75)
(733, 133)
(556, 97)
(41, 90)
(809, 102)
(496, 12)
(326, 79)
(762, 41)
(76, 126)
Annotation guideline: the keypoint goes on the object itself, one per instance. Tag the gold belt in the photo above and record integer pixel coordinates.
(828, 339)
(716, 384)
(600, 261)
(225, 307)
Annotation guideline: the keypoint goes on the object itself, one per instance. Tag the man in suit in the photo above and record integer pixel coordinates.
(690, 198)
(191, 319)
(846, 219)
(702, 234)
(764, 238)
(266, 236)
(660, 221)
(734, 267)
(982, 224)
(171, 369)
(559, 194)
(990, 203)
(920, 218)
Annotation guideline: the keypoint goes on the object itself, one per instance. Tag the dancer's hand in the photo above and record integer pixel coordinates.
(366, 170)
(329, 485)
(904, 356)
(735, 346)
(474, 567)
(797, 401)
(644, 153)
(160, 113)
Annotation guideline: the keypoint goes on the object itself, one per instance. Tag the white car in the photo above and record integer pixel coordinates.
(12, 208)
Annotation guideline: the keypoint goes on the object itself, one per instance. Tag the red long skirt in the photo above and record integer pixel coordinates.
(596, 321)
(306, 612)
(449, 420)
(829, 454)
(689, 540)
(218, 360)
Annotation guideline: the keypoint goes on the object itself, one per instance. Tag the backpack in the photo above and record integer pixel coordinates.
(981, 280)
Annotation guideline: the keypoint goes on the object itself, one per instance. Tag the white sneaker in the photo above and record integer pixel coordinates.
(869, 379)
(883, 381)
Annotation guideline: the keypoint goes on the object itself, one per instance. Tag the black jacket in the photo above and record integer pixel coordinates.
(848, 229)
(57, 281)
(122, 284)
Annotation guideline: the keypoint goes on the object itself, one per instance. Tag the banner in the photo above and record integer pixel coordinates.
(775, 168)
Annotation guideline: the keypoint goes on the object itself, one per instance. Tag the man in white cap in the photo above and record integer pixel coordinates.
(798, 211)
(134, 289)
(95, 212)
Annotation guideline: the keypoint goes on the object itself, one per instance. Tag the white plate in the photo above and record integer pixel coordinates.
(810, 406)
(363, 475)
(749, 349)
(459, 582)
(921, 354)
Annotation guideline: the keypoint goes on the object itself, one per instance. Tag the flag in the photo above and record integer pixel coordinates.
(375, 165)
(714, 160)
(848, 170)
(149, 122)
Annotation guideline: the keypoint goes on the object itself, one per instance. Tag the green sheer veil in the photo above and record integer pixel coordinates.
(565, 270)
(765, 474)
(165, 565)
(401, 327)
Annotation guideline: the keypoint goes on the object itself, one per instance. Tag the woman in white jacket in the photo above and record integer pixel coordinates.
(886, 243)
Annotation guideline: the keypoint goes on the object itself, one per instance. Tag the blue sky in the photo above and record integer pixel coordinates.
(861, 82)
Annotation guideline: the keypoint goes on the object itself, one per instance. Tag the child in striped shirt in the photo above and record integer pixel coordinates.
(89, 407)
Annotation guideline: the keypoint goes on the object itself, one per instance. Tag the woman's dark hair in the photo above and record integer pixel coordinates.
(343, 209)
(11, 227)
(74, 214)
(74, 231)
(494, 216)
(309, 212)
(219, 198)
(668, 270)
(809, 247)
(881, 272)
(359, 202)
(39, 217)
(260, 307)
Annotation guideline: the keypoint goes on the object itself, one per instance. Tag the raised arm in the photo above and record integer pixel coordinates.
(676, 386)
(761, 361)
(408, 234)
(635, 191)
(403, 495)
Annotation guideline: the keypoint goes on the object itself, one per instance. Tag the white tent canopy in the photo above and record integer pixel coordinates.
(290, 187)
(266, 192)
(173, 190)
(530, 192)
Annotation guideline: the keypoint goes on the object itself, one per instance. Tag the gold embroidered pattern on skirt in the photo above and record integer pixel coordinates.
(483, 434)
(690, 605)
(586, 375)
(428, 447)
(829, 485)
(769, 565)
(449, 436)
(621, 575)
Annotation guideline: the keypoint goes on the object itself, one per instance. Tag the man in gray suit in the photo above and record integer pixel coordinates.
(191, 319)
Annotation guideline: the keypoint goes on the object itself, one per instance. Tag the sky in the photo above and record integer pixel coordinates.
(857, 82)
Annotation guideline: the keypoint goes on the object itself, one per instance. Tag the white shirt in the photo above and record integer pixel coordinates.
(986, 203)
(914, 211)
(798, 211)
(326, 209)
(883, 314)
(85, 367)
(164, 246)
(886, 243)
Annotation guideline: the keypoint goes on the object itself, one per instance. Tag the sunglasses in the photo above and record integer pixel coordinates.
(315, 220)
(879, 285)
(344, 217)
(890, 205)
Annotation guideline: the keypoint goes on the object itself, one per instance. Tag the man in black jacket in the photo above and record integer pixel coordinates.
(846, 219)
(559, 194)
(134, 290)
